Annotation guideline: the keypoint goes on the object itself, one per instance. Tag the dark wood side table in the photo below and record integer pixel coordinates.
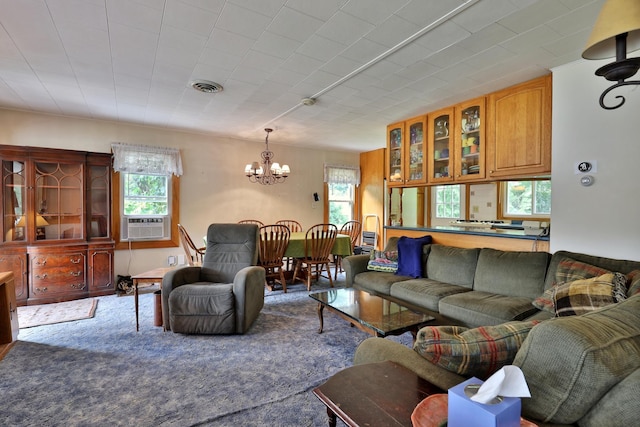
(374, 394)
(151, 276)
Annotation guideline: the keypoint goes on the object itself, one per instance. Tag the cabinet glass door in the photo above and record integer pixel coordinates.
(59, 201)
(99, 177)
(416, 151)
(14, 197)
(395, 138)
(470, 142)
(440, 146)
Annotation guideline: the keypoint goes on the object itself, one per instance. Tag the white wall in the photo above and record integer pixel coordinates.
(603, 219)
(213, 187)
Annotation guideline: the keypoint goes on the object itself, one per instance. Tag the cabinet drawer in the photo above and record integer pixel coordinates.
(58, 260)
(49, 281)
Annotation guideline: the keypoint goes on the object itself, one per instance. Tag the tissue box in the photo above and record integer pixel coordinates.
(465, 412)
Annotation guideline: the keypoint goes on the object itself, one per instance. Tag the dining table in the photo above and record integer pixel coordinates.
(295, 249)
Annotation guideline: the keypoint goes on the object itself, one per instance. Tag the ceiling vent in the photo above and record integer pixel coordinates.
(206, 86)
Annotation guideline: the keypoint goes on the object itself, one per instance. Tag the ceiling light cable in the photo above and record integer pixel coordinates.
(382, 56)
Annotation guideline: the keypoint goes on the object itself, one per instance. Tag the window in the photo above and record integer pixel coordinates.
(341, 183)
(447, 201)
(145, 195)
(341, 200)
(526, 199)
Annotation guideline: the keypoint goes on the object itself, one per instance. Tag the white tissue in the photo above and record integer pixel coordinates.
(507, 382)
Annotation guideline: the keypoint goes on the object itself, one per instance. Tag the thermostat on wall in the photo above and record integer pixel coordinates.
(585, 166)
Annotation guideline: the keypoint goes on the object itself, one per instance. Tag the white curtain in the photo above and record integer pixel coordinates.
(342, 174)
(146, 159)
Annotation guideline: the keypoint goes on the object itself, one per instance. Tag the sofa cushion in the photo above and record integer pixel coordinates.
(567, 270)
(378, 282)
(516, 274)
(478, 308)
(424, 293)
(475, 352)
(456, 266)
(383, 261)
(570, 363)
(582, 296)
(619, 404)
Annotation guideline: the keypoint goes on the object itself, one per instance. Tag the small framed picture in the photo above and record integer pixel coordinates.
(18, 233)
(40, 233)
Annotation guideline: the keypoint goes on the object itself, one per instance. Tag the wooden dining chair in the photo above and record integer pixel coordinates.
(353, 230)
(194, 253)
(294, 226)
(318, 243)
(274, 240)
(251, 221)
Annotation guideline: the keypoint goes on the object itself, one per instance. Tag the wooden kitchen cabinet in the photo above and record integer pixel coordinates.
(56, 220)
(407, 149)
(469, 141)
(519, 130)
(440, 146)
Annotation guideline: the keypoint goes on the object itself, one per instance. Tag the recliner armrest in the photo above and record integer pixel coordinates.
(248, 291)
(172, 280)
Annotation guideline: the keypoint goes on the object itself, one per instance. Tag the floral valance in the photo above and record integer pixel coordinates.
(342, 174)
(146, 159)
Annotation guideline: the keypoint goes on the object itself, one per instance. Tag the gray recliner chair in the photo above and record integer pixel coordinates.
(224, 295)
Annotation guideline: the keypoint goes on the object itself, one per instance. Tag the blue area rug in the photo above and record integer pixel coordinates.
(99, 371)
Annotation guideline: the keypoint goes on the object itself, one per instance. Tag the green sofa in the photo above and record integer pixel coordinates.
(581, 370)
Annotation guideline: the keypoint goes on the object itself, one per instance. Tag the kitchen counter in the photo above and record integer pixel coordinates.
(503, 239)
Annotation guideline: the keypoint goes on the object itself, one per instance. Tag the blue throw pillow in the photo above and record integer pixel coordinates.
(410, 255)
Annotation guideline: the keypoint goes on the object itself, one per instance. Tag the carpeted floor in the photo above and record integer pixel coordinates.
(99, 371)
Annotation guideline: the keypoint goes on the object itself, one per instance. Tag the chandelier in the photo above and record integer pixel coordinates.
(267, 172)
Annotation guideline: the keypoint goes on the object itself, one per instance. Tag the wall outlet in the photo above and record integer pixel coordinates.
(182, 259)
(172, 260)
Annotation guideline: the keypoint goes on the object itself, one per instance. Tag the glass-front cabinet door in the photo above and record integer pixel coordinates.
(395, 156)
(14, 199)
(59, 200)
(99, 201)
(470, 140)
(415, 164)
(440, 146)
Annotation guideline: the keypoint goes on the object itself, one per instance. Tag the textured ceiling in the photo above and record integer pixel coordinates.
(368, 62)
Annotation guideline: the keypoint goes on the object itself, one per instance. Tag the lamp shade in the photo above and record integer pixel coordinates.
(616, 17)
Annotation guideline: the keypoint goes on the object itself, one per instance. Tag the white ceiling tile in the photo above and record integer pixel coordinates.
(442, 36)
(276, 45)
(189, 18)
(321, 48)
(294, 25)
(134, 14)
(523, 41)
(393, 31)
(242, 21)
(345, 28)
(322, 10)
(485, 38)
(483, 14)
(374, 11)
(536, 14)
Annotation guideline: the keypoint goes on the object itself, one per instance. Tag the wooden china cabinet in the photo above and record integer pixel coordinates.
(56, 223)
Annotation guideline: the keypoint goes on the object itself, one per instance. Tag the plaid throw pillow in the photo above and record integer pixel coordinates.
(582, 296)
(568, 270)
(383, 261)
(633, 283)
(478, 352)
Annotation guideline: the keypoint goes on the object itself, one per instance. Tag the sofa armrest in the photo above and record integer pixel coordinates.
(248, 291)
(353, 265)
(380, 349)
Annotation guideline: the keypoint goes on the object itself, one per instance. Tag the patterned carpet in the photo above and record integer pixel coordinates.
(99, 371)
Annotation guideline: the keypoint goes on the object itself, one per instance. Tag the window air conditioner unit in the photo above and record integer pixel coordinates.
(146, 228)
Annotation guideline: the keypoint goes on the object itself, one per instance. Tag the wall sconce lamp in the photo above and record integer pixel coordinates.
(617, 28)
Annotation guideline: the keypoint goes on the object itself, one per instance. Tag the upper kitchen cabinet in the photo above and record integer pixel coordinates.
(395, 154)
(519, 130)
(470, 144)
(440, 147)
(406, 147)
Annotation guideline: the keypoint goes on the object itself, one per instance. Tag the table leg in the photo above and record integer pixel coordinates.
(332, 417)
(320, 308)
(135, 299)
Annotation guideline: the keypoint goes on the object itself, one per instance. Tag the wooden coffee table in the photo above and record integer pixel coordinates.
(370, 313)
(374, 394)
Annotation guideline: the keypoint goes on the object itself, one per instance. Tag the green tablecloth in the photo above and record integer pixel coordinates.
(342, 246)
